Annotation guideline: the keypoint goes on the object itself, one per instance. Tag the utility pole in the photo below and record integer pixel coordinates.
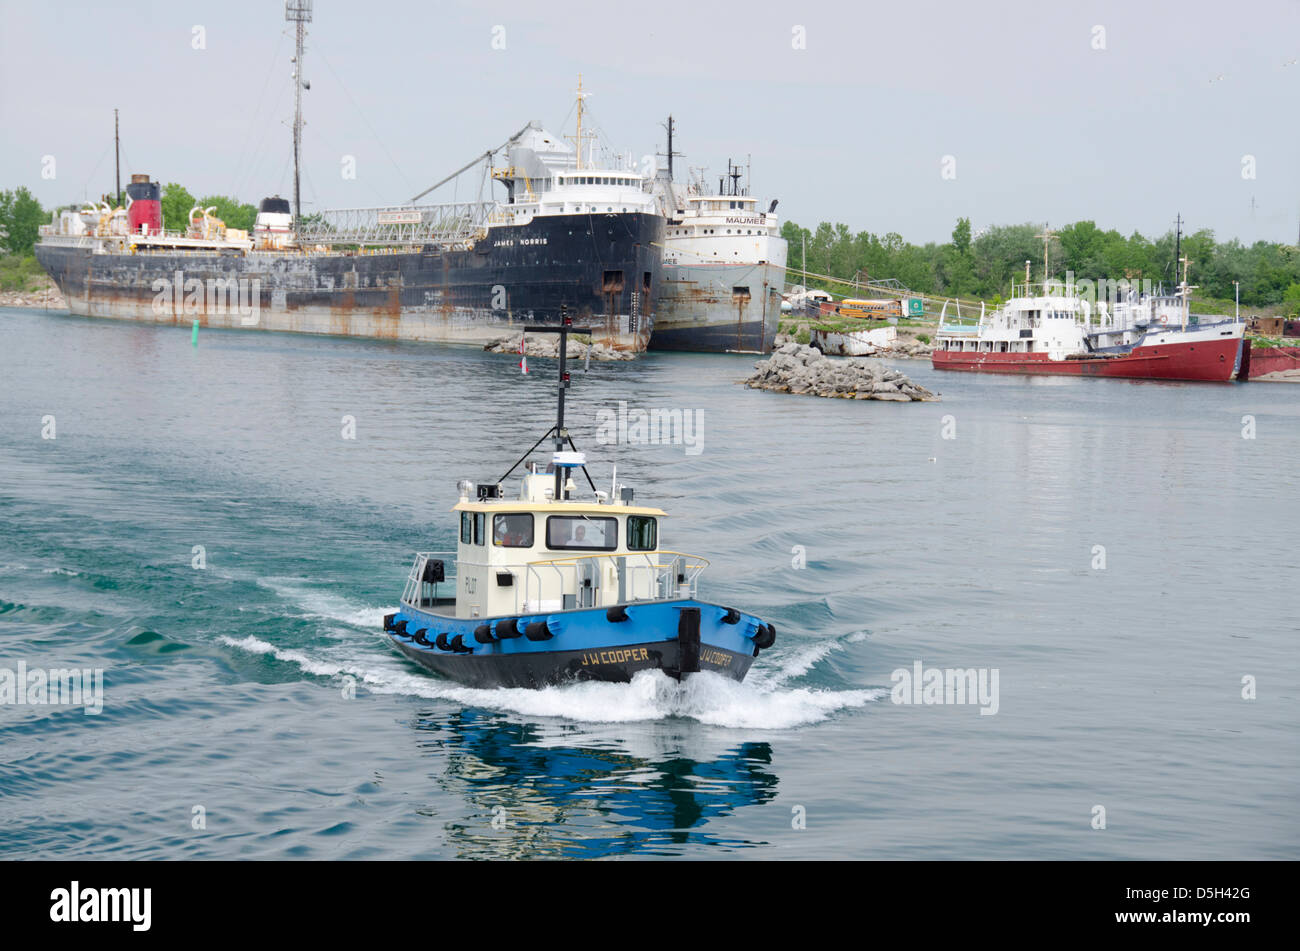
(298, 12)
(117, 158)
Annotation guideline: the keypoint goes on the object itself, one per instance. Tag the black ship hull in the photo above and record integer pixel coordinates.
(605, 268)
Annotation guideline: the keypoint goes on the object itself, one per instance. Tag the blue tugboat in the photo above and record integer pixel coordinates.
(546, 588)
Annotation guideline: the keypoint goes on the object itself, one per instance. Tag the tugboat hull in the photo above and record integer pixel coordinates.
(677, 637)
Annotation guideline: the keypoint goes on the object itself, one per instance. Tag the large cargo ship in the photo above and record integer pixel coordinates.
(586, 238)
(724, 267)
(566, 233)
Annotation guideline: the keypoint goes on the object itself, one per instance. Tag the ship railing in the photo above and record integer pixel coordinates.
(399, 225)
(589, 581)
(421, 593)
(1045, 289)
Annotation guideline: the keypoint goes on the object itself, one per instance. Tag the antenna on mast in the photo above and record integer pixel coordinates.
(297, 12)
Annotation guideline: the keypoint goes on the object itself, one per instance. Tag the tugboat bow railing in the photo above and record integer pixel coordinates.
(426, 594)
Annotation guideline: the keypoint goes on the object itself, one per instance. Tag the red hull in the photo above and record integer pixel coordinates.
(1211, 361)
(1275, 363)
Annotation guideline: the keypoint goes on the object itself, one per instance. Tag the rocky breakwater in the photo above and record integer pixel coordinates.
(48, 298)
(548, 345)
(900, 348)
(795, 368)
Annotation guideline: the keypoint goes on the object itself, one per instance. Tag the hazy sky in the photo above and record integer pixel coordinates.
(1040, 124)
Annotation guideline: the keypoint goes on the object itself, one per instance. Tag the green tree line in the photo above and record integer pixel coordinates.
(984, 265)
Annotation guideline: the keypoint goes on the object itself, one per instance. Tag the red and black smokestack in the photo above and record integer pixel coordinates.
(146, 205)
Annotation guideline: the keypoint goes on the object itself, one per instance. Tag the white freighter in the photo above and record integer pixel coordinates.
(723, 267)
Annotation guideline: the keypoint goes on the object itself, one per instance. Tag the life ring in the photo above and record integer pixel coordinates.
(1164, 321)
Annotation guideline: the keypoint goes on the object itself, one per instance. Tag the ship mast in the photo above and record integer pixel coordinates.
(1178, 243)
(1185, 291)
(297, 12)
(117, 159)
(578, 139)
(670, 148)
(1047, 236)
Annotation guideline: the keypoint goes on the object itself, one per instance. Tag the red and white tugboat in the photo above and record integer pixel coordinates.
(1052, 329)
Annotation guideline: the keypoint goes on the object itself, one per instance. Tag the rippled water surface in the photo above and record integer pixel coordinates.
(228, 688)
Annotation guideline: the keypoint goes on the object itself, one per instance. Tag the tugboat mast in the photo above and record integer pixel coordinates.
(561, 434)
(562, 437)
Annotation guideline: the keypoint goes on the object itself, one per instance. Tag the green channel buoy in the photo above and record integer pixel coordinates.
(194, 334)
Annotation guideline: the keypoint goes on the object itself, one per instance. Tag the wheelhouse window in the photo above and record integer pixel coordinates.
(466, 528)
(579, 533)
(513, 531)
(480, 523)
(641, 532)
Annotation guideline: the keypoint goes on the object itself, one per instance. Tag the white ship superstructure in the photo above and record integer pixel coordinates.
(724, 267)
